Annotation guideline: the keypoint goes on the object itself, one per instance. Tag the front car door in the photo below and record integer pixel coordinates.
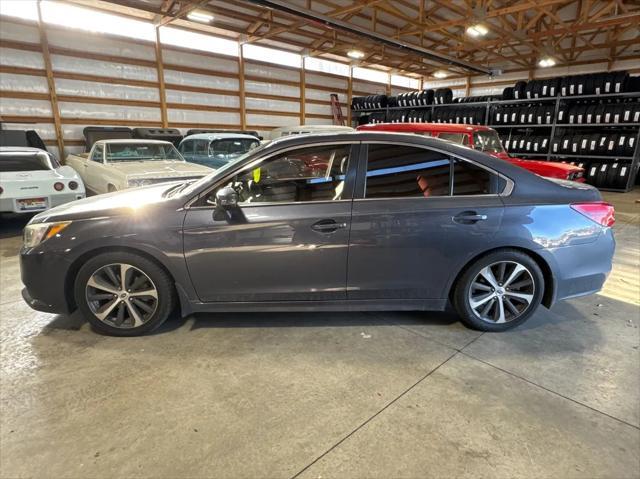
(289, 238)
(418, 216)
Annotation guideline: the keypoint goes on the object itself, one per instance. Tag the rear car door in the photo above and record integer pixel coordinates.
(288, 240)
(418, 216)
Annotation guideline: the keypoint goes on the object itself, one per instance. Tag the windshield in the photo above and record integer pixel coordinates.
(16, 161)
(228, 149)
(487, 141)
(141, 151)
(191, 187)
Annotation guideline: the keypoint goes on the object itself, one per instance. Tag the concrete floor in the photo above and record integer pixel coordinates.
(327, 395)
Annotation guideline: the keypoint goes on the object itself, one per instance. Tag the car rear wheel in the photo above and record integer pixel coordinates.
(499, 291)
(124, 294)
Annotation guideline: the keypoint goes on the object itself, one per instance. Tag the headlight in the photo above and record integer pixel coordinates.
(138, 182)
(37, 233)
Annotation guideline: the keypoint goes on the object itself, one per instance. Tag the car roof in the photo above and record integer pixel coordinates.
(133, 140)
(220, 136)
(424, 127)
(23, 149)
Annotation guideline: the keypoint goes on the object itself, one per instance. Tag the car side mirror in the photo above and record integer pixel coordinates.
(227, 197)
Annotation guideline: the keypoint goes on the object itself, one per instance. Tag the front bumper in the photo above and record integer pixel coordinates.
(44, 277)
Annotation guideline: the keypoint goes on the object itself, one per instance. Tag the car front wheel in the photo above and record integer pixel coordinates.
(499, 291)
(123, 294)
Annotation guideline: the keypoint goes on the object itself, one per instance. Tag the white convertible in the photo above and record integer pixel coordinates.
(32, 180)
(114, 165)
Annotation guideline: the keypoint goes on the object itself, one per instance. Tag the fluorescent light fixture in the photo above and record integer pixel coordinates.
(440, 74)
(478, 30)
(357, 54)
(547, 62)
(198, 16)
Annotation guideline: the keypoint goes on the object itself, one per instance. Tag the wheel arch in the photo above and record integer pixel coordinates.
(72, 272)
(549, 282)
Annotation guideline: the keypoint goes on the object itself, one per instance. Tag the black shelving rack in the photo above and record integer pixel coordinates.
(634, 160)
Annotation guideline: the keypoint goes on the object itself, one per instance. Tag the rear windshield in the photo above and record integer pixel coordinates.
(487, 141)
(26, 162)
(141, 151)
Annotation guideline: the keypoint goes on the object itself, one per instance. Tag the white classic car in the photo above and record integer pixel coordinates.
(31, 180)
(114, 165)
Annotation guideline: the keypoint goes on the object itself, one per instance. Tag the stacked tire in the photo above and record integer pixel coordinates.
(523, 114)
(608, 175)
(464, 115)
(368, 102)
(599, 113)
(527, 144)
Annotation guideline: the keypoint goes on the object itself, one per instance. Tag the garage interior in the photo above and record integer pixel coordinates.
(380, 394)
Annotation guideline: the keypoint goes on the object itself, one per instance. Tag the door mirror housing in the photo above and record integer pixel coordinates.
(226, 197)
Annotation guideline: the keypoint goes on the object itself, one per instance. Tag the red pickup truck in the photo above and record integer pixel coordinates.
(481, 138)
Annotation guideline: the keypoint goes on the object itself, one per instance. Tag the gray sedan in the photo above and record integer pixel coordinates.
(350, 221)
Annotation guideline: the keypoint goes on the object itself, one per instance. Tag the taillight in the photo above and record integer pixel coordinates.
(600, 212)
(73, 185)
(58, 186)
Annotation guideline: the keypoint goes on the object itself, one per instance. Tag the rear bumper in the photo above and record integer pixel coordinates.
(582, 269)
(44, 278)
(9, 205)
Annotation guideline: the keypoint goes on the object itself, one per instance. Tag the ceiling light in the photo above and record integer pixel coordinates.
(440, 74)
(200, 17)
(547, 62)
(477, 30)
(355, 54)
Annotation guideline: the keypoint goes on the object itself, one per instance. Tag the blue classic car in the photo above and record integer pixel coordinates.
(216, 149)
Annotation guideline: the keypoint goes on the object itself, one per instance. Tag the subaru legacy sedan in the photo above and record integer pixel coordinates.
(348, 221)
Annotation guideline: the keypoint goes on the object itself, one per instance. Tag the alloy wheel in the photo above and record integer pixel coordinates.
(501, 292)
(121, 295)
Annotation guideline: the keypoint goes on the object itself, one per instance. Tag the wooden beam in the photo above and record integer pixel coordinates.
(303, 93)
(161, 88)
(53, 98)
(241, 90)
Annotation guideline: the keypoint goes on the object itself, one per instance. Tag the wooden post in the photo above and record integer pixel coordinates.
(243, 109)
(53, 97)
(161, 88)
(467, 86)
(303, 94)
(349, 94)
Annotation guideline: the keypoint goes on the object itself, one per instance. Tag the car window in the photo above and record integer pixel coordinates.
(469, 179)
(24, 161)
(186, 147)
(305, 174)
(201, 147)
(133, 151)
(459, 138)
(97, 154)
(487, 141)
(395, 171)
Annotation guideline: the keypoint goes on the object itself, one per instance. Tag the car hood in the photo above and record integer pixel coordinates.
(159, 169)
(126, 202)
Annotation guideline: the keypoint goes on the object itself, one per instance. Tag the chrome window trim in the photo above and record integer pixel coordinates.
(255, 162)
(506, 191)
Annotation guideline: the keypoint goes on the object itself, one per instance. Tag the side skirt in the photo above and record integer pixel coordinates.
(346, 305)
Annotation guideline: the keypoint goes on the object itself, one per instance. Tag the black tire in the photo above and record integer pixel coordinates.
(160, 280)
(462, 290)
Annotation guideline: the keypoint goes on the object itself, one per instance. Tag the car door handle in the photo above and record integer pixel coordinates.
(327, 226)
(469, 217)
